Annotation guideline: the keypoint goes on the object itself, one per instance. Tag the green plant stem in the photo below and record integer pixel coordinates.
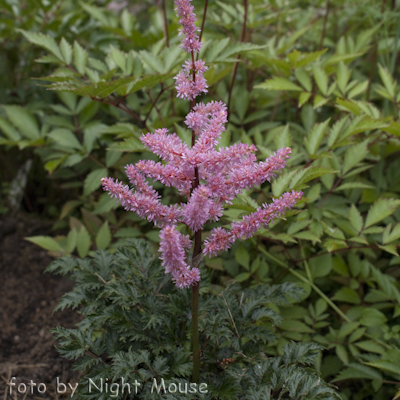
(195, 336)
(195, 288)
(320, 292)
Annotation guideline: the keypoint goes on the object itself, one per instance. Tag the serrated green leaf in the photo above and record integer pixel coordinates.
(66, 51)
(387, 80)
(44, 41)
(354, 154)
(80, 57)
(152, 61)
(119, 58)
(393, 235)
(319, 101)
(358, 89)
(235, 48)
(381, 209)
(216, 48)
(321, 78)
(385, 365)
(280, 184)
(304, 96)
(336, 130)
(277, 83)
(348, 105)
(304, 78)
(314, 138)
(355, 218)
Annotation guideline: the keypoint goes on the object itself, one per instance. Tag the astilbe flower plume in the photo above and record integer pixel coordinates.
(222, 173)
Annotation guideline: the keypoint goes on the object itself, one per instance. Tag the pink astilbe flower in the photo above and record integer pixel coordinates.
(210, 178)
(221, 239)
(172, 246)
(184, 11)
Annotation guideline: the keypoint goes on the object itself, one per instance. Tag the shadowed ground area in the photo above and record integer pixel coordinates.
(27, 300)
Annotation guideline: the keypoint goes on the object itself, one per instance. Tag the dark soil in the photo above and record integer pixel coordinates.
(27, 299)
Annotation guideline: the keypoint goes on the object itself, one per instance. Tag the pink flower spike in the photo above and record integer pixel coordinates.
(197, 211)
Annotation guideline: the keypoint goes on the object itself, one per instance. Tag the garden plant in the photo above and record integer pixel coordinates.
(314, 285)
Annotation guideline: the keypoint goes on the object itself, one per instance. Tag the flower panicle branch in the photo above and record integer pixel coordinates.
(222, 173)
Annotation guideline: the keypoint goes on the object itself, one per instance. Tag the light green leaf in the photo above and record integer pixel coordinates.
(304, 78)
(358, 371)
(342, 353)
(358, 89)
(372, 317)
(283, 138)
(131, 145)
(277, 83)
(280, 184)
(336, 130)
(242, 257)
(321, 78)
(103, 237)
(80, 57)
(83, 242)
(319, 101)
(93, 180)
(304, 96)
(313, 141)
(72, 240)
(242, 276)
(381, 209)
(355, 218)
(216, 48)
(64, 137)
(394, 235)
(310, 57)
(348, 105)
(371, 346)
(347, 295)
(320, 266)
(307, 235)
(385, 365)
(152, 61)
(119, 58)
(46, 242)
(23, 120)
(354, 154)
(66, 51)
(9, 130)
(235, 48)
(354, 185)
(387, 80)
(343, 76)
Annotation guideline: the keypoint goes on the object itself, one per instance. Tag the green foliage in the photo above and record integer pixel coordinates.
(137, 326)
